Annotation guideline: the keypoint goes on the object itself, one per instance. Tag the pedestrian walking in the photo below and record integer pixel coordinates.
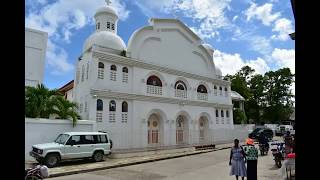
(237, 161)
(252, 159)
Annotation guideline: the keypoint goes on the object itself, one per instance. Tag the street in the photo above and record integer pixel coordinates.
(207, 166)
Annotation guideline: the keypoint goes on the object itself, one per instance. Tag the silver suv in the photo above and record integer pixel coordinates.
(73, 145)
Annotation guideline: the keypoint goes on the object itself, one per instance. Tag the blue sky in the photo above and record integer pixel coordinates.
(242, 32)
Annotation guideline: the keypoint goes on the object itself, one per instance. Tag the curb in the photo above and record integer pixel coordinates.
(132, 163)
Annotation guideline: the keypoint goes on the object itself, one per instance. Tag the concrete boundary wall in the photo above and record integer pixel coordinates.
(39, 130)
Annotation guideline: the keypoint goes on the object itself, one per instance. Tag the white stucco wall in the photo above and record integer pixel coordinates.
(172, 52)
(70, 95)
(39, 131)
(35, 50)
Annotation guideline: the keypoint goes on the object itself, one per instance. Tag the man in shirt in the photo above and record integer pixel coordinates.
(252, 159)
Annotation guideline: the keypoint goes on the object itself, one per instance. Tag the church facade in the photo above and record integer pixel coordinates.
(162, 89)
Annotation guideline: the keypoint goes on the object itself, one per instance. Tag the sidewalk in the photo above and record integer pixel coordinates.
(82, 166)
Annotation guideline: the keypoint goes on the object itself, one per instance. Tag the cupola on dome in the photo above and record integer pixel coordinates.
(106, 10)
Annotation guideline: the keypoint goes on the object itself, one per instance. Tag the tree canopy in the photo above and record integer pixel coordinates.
(40, 102)
(268, 97)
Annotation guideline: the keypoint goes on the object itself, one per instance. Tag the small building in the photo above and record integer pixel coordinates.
(35, 53)
(237, 100)
(67, 90)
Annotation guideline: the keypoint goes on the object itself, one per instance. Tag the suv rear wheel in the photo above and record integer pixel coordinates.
(98, 156)
(52, 160)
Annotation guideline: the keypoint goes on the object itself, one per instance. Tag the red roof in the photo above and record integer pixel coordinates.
(66, 87)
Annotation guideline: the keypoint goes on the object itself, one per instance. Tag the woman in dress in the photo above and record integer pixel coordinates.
(237, 161)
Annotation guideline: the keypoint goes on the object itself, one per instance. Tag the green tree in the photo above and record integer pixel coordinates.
(38, 101)
(65, 109)
(257, 99)
(278, 95)
(268, 97)
(239, 116)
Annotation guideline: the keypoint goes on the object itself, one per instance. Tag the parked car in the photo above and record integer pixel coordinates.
(73, 145)
(255, 133)
(282, 129)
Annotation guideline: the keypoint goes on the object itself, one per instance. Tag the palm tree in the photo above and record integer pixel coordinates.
(65, 109)
(38, 101)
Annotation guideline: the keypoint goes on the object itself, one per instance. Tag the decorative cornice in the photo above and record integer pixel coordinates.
(159, 99)
(98, 53)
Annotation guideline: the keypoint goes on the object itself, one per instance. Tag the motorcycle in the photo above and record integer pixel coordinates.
(263, 148)
(37, 173)
(278, 153)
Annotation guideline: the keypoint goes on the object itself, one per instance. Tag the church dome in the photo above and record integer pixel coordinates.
(105, 39)
(218, 72)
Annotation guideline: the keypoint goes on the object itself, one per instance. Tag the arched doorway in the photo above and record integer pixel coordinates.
(182, 130)
(154, 130)
(203, 129)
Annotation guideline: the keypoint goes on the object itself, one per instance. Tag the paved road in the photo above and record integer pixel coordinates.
(207, 166)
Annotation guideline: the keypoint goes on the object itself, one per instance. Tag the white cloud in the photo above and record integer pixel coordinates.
(263, 13)
(61, 19)
(255, 42)
(209, 13)
(234, 18)
(68, 14)
(232, 63)
(284, 58)
(284, 27)
(260, 44)
(57, 59)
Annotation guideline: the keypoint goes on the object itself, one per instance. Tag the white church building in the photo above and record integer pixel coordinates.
(161, 89)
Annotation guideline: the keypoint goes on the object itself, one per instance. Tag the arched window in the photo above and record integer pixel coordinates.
(154, 81)
(124, 115)
(113, 72)
(227, 113)
(99, 105)
(125, 69)
(100, 65)
(82, 73)
(112, 105)
(222, 114)
(100, 70)
(225, 89)
(217, 113)
(98, 25)
(125, 74)
(87, 77)
(180, 85)
(202, 89)
(215, 90)
(124, 106)
(220, 88)
(113, 67)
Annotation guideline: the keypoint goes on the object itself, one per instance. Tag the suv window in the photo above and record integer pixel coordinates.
(103, 139)
(100, 139)
(75, 138)
(87, 139)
